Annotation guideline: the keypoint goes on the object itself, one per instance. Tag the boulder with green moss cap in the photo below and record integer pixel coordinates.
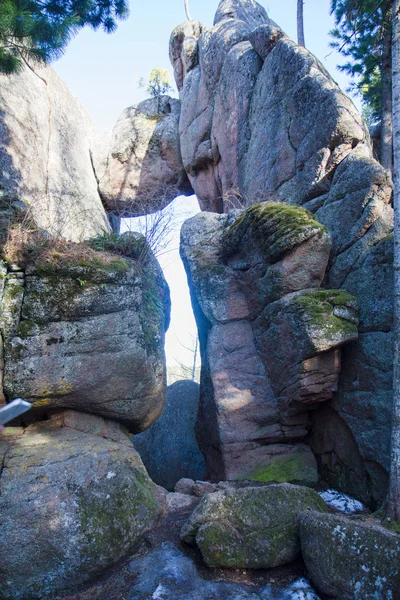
(87, 334)
(270, 338)
(255, 527)
(311, 326)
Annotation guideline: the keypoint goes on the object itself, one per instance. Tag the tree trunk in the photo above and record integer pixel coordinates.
(300, 23)
(189, 18)
(393, 505)
(195, 358)
(387, 129)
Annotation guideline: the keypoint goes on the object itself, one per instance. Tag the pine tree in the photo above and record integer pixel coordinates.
(40, 29)
(393, 505)
(363, 34)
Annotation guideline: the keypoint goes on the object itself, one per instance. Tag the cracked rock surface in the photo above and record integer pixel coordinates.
(263, 120)
(270, 345)
(88, 337)
(45, 154)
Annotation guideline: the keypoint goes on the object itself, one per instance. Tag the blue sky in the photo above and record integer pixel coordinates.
(103, 71)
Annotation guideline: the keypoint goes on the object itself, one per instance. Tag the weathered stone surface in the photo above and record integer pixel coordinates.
(88, 337)
(250, 103)
(80, 500)
(364, 402)
(45, 154)
(250, 527)
(247, 271)
(356, 211)
(348, 559)
(281, 129)
(183, 49)
(169, 448)
(310, 326)
(144, 169)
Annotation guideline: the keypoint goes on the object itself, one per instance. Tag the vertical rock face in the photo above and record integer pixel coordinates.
(45, 154)
(262, 120)
(144, 170)
(169, 448)
(269, 337)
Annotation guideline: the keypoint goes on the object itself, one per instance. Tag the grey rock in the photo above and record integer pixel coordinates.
(249, 11)
(176, 501)
(264, 39)
(90, 338)
(45, 154)
(250, 527)
(184, 486)
(348, 559)
(169, 448)
(81, 500)
(144, 169)
(201, 488)
(287, 106)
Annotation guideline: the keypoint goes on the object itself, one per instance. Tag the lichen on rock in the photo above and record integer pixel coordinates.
(250, 527)
(81, 500)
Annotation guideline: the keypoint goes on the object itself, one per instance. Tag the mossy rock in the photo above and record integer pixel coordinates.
(275, 228)
(330, 314)
(350, 559)
(81, 501)
(253, 527)
(300, 468)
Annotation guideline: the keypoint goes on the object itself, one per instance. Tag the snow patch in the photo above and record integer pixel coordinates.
(300, 589)
(342, 502)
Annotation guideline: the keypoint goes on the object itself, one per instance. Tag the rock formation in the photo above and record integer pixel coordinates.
(81, 329)
(144, 170)
(349, 559)
(88, 335)
(262, 120)
(251, 527)
(269, 337)
(74, 498)
(289, 266)
(169, 448)
(45, 161)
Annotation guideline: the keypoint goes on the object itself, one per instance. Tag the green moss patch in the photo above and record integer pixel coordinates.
(318, 308)
(285, 469)
(275, 228)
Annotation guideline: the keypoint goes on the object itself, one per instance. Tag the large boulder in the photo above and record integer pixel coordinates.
(85, 330)
(46, 138)
(250, 274)
(169, 448)
(250, 527)
(144, 170)
(74, 497)
(348, 559)
(263, 120)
